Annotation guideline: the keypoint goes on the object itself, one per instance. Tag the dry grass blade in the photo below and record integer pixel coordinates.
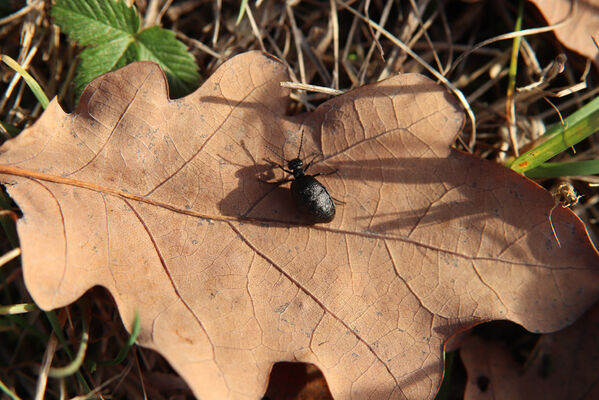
(513, 35)
(311, 88)
(9, 256)
(429, 68)
(22, 12)
(45, 368)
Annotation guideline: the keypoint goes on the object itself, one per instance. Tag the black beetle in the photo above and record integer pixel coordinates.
(310, 197)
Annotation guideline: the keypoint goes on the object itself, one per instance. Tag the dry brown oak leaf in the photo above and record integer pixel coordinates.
(565, 365)
(578, 23)
(162, 202)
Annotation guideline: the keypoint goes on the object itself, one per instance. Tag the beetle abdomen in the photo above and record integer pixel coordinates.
(312, 199)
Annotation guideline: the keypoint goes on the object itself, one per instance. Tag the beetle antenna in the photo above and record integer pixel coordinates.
(276, 153)
(301, 143)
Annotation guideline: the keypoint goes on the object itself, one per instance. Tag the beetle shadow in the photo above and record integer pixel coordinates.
(264, 116)
(476, 197)
(263, 195)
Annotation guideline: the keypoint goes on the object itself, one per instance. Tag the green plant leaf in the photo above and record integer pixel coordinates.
(93, 22)
(112, 28)
(104, 58)
(160, 45)
(577, 127)
(556, 169)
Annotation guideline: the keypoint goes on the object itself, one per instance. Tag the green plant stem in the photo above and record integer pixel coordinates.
(515, 52)
(510, 106)
(125, 349)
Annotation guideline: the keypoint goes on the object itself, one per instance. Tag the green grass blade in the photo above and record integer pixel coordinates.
(576, 128)
(244, 4)
(125, 349)
(11, 130)
(24, 324)
(556, 169)
(515, 51)
(53, 319)
(7, 391)
(73, 366)
(33, 85)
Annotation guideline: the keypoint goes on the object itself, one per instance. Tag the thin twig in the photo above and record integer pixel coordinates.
(425, 33)
(218, 5)
(42, 378)
(18, 14)
(335, 23)
(201, 46)
(511, 35)
(376, 44)
(151, 14)
(449, 44)
(312, 88)
(163, 10)
(437, 75)
(297, 37)
(255, 29)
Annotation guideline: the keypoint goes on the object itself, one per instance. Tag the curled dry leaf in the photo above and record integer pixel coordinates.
(581, 25)
(161, 202)
(565, 366)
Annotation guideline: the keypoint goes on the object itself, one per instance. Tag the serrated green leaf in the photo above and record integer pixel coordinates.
(99, 60)
(113, 28)
(161, 46)
(93, 22)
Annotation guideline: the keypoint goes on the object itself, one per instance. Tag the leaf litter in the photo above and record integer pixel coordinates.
(160, 202)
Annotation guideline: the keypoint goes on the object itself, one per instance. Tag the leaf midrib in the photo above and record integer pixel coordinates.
(8, 170)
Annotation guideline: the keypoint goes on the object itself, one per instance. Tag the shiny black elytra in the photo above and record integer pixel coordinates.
(310, 197)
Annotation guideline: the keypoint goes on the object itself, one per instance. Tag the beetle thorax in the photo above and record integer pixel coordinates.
(296, 166)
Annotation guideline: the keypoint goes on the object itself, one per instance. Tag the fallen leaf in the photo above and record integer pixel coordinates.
(161, 202)
(579, 28)
(566, 366)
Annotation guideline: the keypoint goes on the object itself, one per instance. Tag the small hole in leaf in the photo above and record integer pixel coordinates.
(483, 383)
(296, 380)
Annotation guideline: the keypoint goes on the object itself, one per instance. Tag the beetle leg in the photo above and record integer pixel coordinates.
(337, 201)
(311, 161)
(274, 164)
